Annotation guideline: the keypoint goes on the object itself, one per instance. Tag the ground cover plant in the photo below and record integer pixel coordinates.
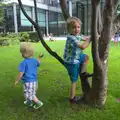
(53, 88)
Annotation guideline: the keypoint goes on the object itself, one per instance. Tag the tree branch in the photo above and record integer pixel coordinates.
(95, 10)
(99, 21)
(64, 9)
(37, 27)
(36, 16)
(107, 23)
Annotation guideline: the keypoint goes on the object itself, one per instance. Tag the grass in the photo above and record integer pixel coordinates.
(53, 88)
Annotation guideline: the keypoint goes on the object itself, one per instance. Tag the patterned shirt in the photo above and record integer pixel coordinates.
(72, 51)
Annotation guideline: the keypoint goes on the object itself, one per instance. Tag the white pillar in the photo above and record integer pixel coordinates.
(15, 18)
(70, 7)
(33, 17)
(47, 31)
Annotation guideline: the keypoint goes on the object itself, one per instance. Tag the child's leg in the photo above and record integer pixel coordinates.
(83, 67)
(37, 102)
(72, 90)
(84, 64)
(84, 76)
(28, 100)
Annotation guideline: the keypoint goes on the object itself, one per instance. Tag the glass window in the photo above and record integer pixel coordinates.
(41, 17)
(24, 20)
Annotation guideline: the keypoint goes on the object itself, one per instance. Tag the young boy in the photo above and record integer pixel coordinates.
(28, 74)
(73, 55)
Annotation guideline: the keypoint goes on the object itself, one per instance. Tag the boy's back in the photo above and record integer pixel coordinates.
(29, 67)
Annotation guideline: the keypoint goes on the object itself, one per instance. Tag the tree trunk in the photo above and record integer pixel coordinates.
(98, 92)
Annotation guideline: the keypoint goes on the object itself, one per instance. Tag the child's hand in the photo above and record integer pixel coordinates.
(41, 55)
(16, 82)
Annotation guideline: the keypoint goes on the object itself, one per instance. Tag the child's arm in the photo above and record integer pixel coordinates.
(19, 77)
(84, 45)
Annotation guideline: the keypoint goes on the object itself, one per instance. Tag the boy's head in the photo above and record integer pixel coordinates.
(74, 25)
(26, 49)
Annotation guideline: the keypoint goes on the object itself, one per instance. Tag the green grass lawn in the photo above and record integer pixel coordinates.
(53, 88)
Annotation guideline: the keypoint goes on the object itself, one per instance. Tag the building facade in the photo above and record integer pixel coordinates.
(49, 14)
(83, 10)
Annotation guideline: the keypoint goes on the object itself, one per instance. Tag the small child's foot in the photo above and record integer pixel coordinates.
(28, 103)
(38, 105)
(76, 100)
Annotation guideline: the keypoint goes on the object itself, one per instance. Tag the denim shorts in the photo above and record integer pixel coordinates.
(74, 69)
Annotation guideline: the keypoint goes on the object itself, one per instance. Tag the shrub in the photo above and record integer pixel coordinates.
(33, 36)
(4, 41)
(14, 41)
(24, 37)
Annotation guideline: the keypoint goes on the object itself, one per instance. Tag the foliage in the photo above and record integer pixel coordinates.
(2, 12)
(53, 88)
(24, 37)
(20, 37)
(33, 36)
(5, 41)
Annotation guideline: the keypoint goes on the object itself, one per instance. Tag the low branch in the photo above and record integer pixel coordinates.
(37, 27)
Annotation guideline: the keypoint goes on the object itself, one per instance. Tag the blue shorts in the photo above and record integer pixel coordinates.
(74, 69)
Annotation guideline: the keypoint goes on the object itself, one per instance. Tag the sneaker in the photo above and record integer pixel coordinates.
(28, 103)
(77, 100)
(38, 105)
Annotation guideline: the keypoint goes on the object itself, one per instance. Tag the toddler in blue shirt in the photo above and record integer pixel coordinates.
(28, 75)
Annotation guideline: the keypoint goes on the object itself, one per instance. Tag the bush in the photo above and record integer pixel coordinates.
(33, 36)
(4, 41)
(24, 37)
(14, 41)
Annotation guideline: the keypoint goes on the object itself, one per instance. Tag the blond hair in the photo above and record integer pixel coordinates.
(26, 50)
(71, 21)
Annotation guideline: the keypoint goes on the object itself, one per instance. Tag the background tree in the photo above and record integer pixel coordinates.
(106, 26)
(2, 14)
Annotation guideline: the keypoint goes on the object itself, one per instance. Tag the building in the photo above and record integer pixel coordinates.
(49, 14)
(83, 10)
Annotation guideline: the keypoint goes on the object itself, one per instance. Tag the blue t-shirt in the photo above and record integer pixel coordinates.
(72, 51)
(29, 67)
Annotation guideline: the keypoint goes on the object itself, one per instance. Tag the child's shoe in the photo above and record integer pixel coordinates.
(76, 100)
(28, 103)
(38, 105)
